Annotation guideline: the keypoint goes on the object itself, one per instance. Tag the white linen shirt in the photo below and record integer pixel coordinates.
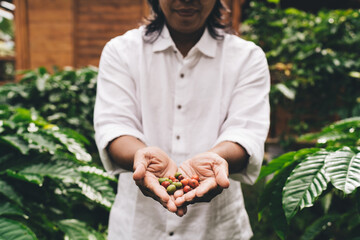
(185, 106)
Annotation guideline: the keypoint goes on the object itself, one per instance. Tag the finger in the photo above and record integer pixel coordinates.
(139, 170)
(221, 176)
(205, 187)
(170, 205)
(153, 185)
(181, 211)
(178, 193)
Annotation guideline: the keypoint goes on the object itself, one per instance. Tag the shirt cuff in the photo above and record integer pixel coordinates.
(253, 147)
(103, 141)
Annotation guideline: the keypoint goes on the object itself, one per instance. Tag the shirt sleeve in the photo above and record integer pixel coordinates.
(248, 116)
(116, 110)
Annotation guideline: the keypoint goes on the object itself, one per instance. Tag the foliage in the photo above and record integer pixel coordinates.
(65, 98)
(326, 178)
(49, 187)
(314, 61)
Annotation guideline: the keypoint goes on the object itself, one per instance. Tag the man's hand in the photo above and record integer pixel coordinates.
(213, 173)
(151, 163)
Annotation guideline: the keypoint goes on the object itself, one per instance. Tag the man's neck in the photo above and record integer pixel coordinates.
(185, 41)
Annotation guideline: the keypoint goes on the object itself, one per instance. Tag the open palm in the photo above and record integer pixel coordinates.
(150, 164)
(213, 174)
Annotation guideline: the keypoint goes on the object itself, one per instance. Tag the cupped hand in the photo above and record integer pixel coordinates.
(213, 173)
(151, 163)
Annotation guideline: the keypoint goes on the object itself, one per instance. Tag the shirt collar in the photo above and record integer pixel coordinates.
(206, 45)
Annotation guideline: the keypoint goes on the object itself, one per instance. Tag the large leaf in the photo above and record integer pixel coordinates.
(16, 142)
(7, 208)
(36, 173)
(73, 146)
(318, 226)
(276, 164)
(13, 230)
(8, 191)
(271, 198)
(280, 162)
(343, 168)
(306, 182)
(76, 230)
(97, 189)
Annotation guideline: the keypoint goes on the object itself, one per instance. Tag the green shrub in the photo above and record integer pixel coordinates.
(65, 97)
(314, 61)
(325, 178)
(49, 186)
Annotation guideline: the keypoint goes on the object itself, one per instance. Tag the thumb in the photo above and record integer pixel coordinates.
(139, 170)
(221, 176)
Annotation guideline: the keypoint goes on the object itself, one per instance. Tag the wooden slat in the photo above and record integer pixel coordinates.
(21, 38)
(99, 21)
(51, 26)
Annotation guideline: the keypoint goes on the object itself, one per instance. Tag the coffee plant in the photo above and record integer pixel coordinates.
(49, 187)
(325, 179)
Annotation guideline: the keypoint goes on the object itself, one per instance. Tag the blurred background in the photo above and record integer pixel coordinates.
(52, 184)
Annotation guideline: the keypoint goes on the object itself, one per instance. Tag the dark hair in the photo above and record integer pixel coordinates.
(213, 22)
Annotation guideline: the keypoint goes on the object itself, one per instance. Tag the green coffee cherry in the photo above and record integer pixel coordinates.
(178, 184)
(161, 180)
(177, 174)
(171, 189)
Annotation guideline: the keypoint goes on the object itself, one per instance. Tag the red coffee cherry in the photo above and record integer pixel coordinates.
(186, 189)
(196, 177)
(165, 184)
(193, 183)
(185, 181)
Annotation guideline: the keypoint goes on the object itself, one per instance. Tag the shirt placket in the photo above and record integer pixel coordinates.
(178, 138)
(178, 133)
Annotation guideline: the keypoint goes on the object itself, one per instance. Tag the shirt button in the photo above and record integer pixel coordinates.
(182, 75)
(175, 52)
(171, 233)
(177, 137)
(179, 106)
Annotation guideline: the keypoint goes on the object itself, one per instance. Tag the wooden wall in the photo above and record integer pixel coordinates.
(73, 32)
(96, 22)
(50, 32)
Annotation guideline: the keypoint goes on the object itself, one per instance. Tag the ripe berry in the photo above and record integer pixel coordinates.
(196, 177)
(165, 184)
(185, 181)
(187, 188)
(193, 183)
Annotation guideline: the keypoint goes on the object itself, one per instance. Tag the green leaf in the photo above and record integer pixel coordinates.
(51, 170)
(8, 191)
(73, 146)
(280, 162)
(271, 198)
(37, 179)
(306, 182)
(343, 168)
(274, 1)
(6, 208)
(97, 189)
(276, 164)
(76, 230)
(13, 230)
(354, 74)
(16, 142)
(286, 91)
(318, 226)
